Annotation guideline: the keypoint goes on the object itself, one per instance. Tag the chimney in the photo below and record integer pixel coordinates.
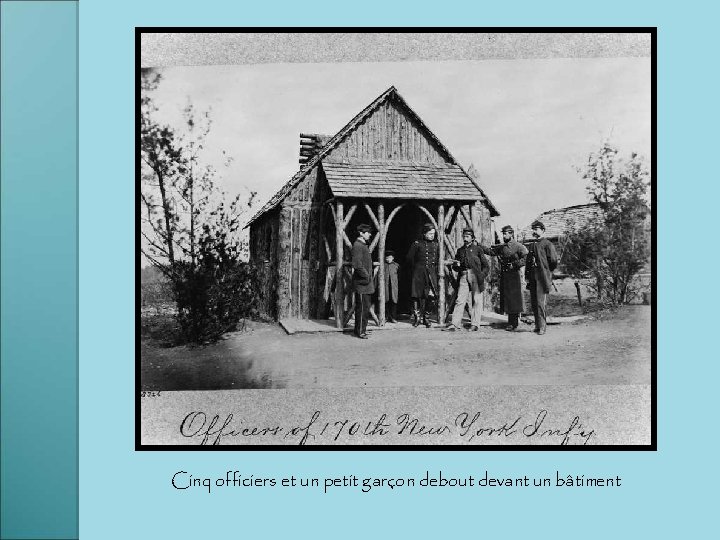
(310, 145)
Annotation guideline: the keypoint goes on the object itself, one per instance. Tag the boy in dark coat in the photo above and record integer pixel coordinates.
(423, 257)
(541, 261)
(472, 268)
(362, 280)
(391, 285)
(511, 256)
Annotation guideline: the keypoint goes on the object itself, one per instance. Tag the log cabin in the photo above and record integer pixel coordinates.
(385, 167)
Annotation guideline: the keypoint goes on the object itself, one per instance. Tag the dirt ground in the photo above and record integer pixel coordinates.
(607, 348)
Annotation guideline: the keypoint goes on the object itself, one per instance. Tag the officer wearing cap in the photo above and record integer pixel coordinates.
(423, 258)
(541, 261)
(362, 279)
(511, 256)
(472, 268)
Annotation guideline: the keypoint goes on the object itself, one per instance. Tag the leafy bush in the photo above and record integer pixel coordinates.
(613, 250)
(216, 293)
(190, 234)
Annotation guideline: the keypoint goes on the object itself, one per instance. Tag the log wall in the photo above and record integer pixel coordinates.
(264, 252)
(301, 254)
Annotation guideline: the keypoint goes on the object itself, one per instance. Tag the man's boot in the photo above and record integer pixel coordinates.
(425, 320)
(416, 313)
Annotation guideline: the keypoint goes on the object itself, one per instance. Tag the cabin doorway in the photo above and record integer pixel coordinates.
(405, 228)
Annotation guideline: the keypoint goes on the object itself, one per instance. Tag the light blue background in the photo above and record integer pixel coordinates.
(668, 494)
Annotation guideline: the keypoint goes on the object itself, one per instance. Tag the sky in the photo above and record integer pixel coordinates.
(526, 125)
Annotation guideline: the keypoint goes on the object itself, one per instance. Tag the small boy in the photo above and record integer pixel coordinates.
(391, 285)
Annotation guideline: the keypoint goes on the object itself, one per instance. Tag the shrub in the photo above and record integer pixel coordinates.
(613, 250)
(216, 292)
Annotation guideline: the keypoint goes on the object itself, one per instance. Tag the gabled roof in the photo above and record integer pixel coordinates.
(276, 199)
(559, 221)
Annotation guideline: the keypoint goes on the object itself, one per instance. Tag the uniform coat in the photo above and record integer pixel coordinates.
(423, 258)
(541, 261)
(363, 284)
(473, 267)
(391, 281)
(362, 268)
(471, 258)
(511, 256)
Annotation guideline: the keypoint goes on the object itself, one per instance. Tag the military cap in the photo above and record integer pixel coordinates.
(537, 225)
(389, 252)
(363, 228)
(428, 227)
(469, 231)
(508, 228)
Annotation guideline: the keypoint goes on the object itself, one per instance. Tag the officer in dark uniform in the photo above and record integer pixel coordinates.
(362, 279)
(472, 268)
(542, 260)
(424, 258)
(511, 255)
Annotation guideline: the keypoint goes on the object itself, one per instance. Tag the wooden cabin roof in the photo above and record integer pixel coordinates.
(391, 92)
(393, 180)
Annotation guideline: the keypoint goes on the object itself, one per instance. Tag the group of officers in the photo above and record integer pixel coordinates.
(472, 267)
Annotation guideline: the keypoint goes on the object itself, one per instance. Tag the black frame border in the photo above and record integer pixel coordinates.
(384, 447)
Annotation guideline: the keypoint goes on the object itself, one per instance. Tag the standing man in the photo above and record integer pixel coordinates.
(391, 285)
(541, 261)
(362, 279)
(472, 268)
(423, 258)
(511, 256)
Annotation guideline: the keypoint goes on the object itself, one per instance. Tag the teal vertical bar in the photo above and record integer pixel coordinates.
(38, 228)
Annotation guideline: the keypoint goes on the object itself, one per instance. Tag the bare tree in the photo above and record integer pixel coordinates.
(179, 194)
(162, 164)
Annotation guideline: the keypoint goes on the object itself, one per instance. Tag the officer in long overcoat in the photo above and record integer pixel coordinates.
(542, 259)
(362, 279)
(424, 258)
(511, 256)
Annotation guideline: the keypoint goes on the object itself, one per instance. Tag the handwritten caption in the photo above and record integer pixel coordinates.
(465, 427)
(182, 480)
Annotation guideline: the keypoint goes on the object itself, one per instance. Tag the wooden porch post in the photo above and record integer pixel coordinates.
(381, 267)
(441, 269)
(472, 220)
(339, 248)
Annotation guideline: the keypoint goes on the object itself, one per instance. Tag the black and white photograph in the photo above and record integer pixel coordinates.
(385, 239)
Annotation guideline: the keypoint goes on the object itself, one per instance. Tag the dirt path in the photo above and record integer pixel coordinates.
(611, 350)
